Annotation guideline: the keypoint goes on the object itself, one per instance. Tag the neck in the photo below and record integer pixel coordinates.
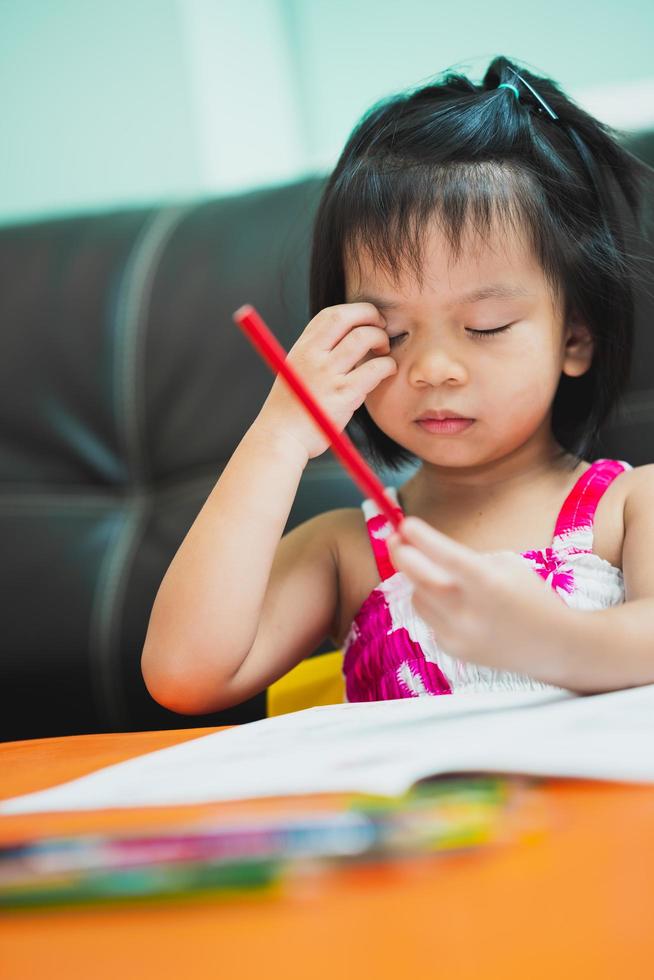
(448, 486)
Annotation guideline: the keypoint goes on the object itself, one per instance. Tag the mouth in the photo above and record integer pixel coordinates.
(439, 414)
(448, 425)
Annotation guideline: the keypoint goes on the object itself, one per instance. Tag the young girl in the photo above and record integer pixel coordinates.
(472, 311)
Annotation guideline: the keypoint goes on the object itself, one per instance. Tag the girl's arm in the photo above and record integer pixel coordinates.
(237, 608)
(614, 648)
(206, 612)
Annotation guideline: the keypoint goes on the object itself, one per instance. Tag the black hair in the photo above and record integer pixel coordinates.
(461, 150)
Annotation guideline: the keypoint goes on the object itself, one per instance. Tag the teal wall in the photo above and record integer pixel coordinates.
(351, 52)
(94, 105)
(112, 104)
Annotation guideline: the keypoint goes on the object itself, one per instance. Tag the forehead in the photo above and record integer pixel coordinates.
(502, 257)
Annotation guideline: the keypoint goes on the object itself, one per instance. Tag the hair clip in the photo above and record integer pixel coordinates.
(534, 93)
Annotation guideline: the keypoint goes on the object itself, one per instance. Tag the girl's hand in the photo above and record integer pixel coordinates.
(331, 356)
(491, 610)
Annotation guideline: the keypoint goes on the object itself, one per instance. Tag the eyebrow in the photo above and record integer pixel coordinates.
(495, 290)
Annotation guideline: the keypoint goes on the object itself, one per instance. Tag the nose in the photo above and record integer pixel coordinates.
(434, 365)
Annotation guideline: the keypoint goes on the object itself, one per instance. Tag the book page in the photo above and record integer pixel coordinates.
(380, 747)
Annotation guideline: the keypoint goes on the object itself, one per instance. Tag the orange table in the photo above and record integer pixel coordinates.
(575, 902)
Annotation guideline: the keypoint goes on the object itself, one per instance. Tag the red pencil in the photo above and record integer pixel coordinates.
(274, 354)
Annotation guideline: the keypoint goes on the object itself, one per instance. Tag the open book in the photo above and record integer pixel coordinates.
(381, 747)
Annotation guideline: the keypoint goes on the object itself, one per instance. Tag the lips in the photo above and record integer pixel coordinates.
(446, 426)
(440, 415)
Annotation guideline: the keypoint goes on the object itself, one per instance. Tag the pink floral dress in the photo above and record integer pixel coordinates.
(390, 652)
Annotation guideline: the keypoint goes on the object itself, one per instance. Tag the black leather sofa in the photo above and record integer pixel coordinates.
(125, 387)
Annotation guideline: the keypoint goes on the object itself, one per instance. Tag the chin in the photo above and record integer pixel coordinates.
(446, 452)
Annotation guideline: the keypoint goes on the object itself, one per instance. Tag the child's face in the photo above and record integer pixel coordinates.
(506, 382)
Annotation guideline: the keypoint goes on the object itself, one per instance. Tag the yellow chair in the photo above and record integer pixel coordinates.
(317, 680)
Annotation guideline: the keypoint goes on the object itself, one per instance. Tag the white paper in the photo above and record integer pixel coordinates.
(380, 747)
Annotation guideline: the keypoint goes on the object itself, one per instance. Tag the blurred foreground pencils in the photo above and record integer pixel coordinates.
(252, 856)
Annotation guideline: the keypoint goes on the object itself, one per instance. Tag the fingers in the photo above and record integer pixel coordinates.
(368, 375)
(420, 569)
(334, 323)
(433, 560)
(358, 345)
(354, 356)
(455, 559)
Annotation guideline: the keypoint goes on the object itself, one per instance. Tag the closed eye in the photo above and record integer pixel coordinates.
(476, 333)
(489, 333)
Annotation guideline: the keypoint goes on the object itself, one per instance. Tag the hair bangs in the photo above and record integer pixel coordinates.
(386, 213)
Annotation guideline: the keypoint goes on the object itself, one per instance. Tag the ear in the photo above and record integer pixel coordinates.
(578, 348)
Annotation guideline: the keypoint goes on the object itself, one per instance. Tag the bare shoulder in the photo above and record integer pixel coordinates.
(355, 563)
(641, 475)
(638, 491)
(636, 487)
(342, 526)
(341, 532)
(344, 529)
(638, 549)
(349, 534)
(328, 525)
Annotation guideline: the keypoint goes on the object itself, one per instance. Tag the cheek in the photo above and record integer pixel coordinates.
(529, 379)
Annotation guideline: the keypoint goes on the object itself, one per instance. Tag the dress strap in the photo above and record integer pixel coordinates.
(577, 514)
(379, 529)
